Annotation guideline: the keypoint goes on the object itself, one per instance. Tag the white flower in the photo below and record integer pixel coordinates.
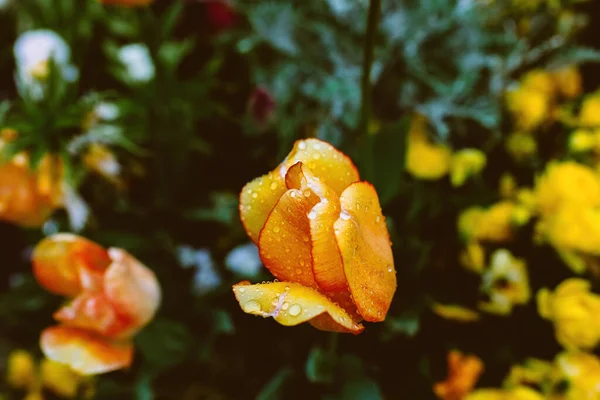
(244, 260)
(137, 61)
(206, 277)
(33, 52)
(107, 111)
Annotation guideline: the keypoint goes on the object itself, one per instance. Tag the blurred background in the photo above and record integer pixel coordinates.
(161, 113)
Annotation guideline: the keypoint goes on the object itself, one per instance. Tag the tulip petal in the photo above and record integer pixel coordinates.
(284, 242)
(95, 312)
(333, 167)
(291, 304)
(364, 242)
(65, 264)
(327, 260)
(85, 352)
(132, 288)
(257, 199)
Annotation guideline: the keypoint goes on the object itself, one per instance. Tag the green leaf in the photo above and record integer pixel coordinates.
(170, 19)
(164, 343)
(273, 390)
(143, 388)
(407, 324)
(389, 146)
(362, 389)
(320, 366)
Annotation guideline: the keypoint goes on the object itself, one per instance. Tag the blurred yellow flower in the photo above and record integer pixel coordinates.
(589, 114)
(520, 146)
(425, 160)
(582, 140)
(465, 164)
(494, 224)
(533, 372)
(574, 310)
(463, 373)
(59, 378)
(530, 102)
(568, 81)
(517, 393)
(507, 186)
(582, 372)
(103, 161)
(455, 312)
(506, 283)
(574, 228)
(567, 183)
(473, 257)
(21, 370)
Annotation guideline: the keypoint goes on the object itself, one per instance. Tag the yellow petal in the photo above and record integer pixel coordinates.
(64, 264)
(327, 261)
(455, 312)
(59, 378)
(292, 304)
(20, 370)
(132, 288)
(364, 242)
(85, 352)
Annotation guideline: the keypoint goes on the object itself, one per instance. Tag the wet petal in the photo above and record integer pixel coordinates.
(257, 199)
(364, 242)
(327, 260)
(284, 242)
(64, 264)
(95, 312)
(132, 288)
(85, 352)
(291, 304)
(334, 168)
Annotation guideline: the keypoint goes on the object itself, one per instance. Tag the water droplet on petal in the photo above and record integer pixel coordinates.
(295, 310)
(306, 193)
(378, 219)
(254, 195)
(293, 194)
(390, 268)
(241, 290)
(344, 215)
(298, 271)
(276, 229)
(285, 306)
(273, 185)
(251, 306)
(302, 145)
(312, 215)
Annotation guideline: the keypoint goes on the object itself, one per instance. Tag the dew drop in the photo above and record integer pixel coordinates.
(293, 194)
(241, 290)
(295, 310)
(378, 219)
(312, 215)
(306, 193)
(357, 206)
(344, 215)
(285, 306)
(298, 271)
(254, 195)
(251, 306)
(390, 268)
(276, 229)
(316, 156)
(273, 185)
(302, 145)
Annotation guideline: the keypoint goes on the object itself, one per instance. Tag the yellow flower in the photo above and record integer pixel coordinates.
(532, 372)
(466, 163)
(473, 257)
(582, 140)
(530, 103)
(507, 185)
(59, 378)
(21, 373)
(425, 160)
(505, 282)
(520, 146)
(517, 393)
(568, 81)
(486, 394)
(494, 224)
(567, 183)
(589, 114)
(463, 373)
(455, 312)
(576, 229)
(574, 311)
(102, 161)
(582, 372)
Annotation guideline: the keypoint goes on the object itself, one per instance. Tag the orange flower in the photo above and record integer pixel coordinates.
(463, 373)
(112, 296)
(321, 232)
(127, 3)
(28, 197)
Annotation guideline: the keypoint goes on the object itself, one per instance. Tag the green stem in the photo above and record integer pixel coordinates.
(333, 343)
(365, 109)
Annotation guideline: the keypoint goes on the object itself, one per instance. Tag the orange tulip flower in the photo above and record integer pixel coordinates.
(321, 232)
(28, 197)
(112, 294)
(463, 373)
(127, 3)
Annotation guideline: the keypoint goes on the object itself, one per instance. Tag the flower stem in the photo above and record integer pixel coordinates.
(365, 109)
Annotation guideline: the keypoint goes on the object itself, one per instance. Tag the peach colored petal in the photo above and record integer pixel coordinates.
(94, 311)
(285, 243)
(364, 242)
(85, 352)
(65, 264)
(257, 199)
(291, 304)
(327, 260)
(132, 288)
(333, 167)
